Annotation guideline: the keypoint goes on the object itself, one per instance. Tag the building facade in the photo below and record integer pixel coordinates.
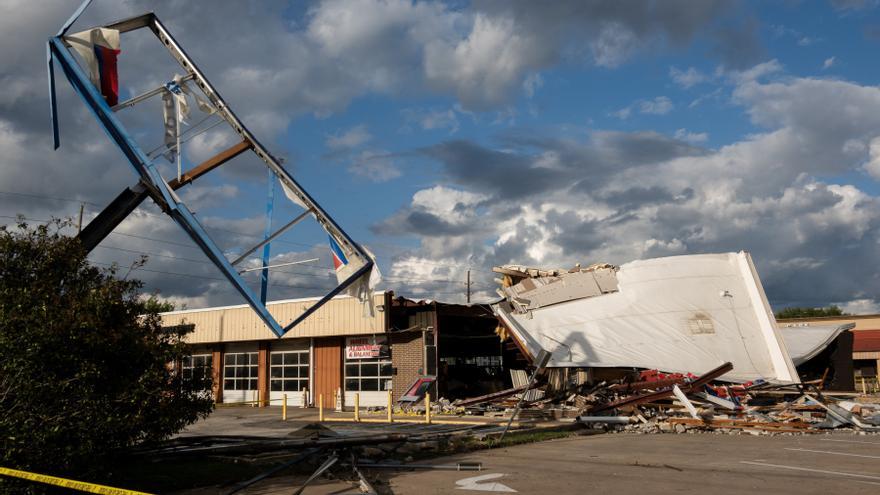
(341, 347)
(866, 339)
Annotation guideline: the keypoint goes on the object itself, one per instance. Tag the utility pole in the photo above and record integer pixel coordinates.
(79, 224)
(469, 286)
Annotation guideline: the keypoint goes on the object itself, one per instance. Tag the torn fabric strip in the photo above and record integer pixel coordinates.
(99, 49)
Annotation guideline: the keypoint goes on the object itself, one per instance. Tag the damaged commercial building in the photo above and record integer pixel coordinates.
(680, 314)
(338, 351)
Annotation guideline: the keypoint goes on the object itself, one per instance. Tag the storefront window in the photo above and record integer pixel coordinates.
(240, 371)
(367, 364)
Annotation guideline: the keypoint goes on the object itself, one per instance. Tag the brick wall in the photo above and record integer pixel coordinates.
(407, 351)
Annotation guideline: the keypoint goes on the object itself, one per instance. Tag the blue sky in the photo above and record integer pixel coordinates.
(464, 135)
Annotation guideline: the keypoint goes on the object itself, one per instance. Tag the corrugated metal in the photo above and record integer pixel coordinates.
(866, 341)
(340, 316)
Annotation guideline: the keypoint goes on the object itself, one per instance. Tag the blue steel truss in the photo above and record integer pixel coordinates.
(158, 189)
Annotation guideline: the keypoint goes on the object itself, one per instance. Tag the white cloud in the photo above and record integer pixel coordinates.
(828, 63)
(691, 137)
(687, 78)
(431, 119)
(350, 139)
(660, 105)
(860, 306)
(619, 196)
(375, 165)
(532, 83)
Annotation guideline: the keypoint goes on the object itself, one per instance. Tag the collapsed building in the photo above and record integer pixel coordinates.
(680, 314)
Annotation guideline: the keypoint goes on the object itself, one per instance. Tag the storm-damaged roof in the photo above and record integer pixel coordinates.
(677, 314)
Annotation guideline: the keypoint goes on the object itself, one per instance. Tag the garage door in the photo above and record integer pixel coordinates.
(288, 374)
(239, 376)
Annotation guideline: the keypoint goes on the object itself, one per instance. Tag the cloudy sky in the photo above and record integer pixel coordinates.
(448, 136)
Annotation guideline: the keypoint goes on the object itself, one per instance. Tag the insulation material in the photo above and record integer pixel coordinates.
(677, 314)
(805, 343)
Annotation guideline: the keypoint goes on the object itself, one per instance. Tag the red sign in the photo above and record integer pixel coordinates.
(365, 348)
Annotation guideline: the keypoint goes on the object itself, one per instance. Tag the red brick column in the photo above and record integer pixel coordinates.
(263, 373)
(217, 373)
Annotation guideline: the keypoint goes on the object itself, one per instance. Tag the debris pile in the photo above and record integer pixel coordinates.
(654, 402)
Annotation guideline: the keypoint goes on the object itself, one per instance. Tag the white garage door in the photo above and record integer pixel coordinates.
(239, 376)
(288, 374)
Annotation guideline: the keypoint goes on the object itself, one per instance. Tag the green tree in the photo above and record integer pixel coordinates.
(85, 365)
(800, 312)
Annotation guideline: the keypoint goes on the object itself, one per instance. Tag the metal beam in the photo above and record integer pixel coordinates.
(129, 199)
(209, 164)
(272, 237)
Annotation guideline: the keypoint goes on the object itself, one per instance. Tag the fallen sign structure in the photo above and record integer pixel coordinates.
(680, 314)
(98, 86)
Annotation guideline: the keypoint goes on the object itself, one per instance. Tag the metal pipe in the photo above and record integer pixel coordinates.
(461, 466)
(145, 96)
(272, 237)
(278, 265)
(612, 420)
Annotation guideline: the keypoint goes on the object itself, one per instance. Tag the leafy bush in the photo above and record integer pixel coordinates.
(797, 312)
(84, 363)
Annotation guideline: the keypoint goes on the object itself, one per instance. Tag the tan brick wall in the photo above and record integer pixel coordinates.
(407, 351)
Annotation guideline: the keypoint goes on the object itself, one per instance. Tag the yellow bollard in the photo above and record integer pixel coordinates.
(357, 406)
(284, 407)
(390, 408)
(864, 390)
(428, 408)
(320, 408)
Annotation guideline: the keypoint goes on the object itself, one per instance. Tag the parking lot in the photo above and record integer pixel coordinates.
(619, 463)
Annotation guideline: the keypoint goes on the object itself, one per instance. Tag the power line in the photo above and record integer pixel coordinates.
(253, 236)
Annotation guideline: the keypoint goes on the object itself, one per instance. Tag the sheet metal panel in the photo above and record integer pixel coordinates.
(343, 315)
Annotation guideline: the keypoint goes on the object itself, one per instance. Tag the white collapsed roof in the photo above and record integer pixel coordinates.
(677, 314)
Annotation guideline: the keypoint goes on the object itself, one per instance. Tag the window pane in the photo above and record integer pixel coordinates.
(304, 358)
(229, 384)
(369, 384)
(304, 372)
(253, 357)
(229, 372)
(290, 372)
(369, 370)
(275, 385)
(229, 359)
(276, 358)
(351, 370)
(275, 372)
(290, 358)
(252, 385)
(351, 384)
(240, 372)
(385, 369)
(254, 370)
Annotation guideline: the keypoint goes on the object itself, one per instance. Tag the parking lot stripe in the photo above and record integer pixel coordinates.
(811, 470)
(836, 453)
(848, 441)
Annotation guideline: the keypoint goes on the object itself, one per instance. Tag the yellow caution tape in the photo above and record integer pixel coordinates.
(81, 486)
